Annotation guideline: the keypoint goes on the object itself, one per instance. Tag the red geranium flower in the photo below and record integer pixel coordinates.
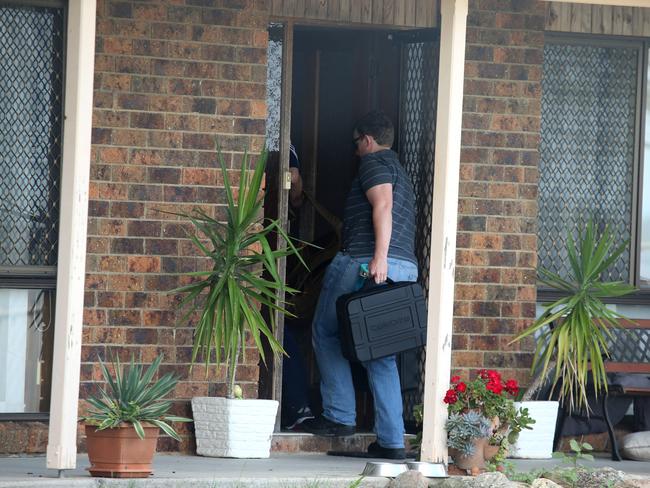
(455, 379)
(461, 387)
(512, 387)
(495, 387)
(493, 376)
(451, 396)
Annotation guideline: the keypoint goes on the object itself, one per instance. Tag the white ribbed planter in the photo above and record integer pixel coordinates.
(233, 428)
(538, 442)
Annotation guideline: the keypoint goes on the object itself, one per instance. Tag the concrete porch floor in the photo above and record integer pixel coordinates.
(282, 470)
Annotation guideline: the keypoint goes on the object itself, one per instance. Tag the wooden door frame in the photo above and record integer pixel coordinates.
(283, 183)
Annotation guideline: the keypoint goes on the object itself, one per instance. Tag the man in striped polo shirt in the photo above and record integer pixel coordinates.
(378, 230)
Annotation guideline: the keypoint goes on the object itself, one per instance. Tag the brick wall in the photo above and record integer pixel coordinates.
(496, 257)
(169, 77)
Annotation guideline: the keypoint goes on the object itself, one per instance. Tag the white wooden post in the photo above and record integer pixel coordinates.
(443, 227)
(62, 440)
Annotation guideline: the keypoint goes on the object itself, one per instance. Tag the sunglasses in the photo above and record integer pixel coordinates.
(357, 139)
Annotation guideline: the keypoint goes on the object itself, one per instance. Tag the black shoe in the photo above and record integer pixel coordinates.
(376, 451)
(324, 427)
(293, 418)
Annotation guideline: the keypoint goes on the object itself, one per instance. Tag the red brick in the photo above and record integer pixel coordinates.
(466, 358)
(112, 155)
(110, 299)
(127, 209)
(141, 300)
(112, 264)
(119, 282)
(198, 71)
(128, 173)
(170, 31)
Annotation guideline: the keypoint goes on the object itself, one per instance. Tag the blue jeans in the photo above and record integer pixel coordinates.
(336, 386)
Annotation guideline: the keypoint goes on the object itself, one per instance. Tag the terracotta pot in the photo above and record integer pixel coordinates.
(490, 451)
(119, 452)
(474, 462)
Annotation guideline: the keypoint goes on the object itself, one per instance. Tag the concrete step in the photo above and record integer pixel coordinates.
(304, 442)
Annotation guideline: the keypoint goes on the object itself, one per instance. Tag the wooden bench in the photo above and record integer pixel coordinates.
(628, 373)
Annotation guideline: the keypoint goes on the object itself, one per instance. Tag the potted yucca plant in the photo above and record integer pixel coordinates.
(124, 420)
(227, 300)
(574, 332)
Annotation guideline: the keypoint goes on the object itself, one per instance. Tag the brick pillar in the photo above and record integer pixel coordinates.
(169, 77)
(497, 253)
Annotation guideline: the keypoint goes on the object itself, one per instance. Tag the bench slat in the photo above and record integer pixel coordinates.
(623, 367)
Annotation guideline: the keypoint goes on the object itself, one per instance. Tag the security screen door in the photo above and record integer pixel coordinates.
(417, 130)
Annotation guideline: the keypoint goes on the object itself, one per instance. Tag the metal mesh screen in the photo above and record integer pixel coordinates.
(588, 129)
(416, 147)
(274, 86)
(630, 345)
(31, 93)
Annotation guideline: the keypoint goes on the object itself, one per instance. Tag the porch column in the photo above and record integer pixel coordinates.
(443, 227)
(62, 440)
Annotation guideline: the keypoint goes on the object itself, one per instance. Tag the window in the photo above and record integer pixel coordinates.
(31, 107)
(590, 151)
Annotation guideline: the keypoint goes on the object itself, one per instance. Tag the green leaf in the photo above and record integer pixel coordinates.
(138, 428)
(166, 429)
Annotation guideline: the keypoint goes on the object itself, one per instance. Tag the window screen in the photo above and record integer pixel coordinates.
(31, 87)
(31, 93)
(587, 150)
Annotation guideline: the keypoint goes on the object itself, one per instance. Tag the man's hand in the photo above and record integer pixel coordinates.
(378, 269)
(295, 193)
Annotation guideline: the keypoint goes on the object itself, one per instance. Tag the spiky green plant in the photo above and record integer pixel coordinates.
(464, 428)
(228, 296)
(133, 397)
(576, 343)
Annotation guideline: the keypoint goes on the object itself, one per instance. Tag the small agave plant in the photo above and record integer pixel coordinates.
(463, 428)
(133, 397)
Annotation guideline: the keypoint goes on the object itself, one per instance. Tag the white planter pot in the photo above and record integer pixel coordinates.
(538, 442)
(233, 428)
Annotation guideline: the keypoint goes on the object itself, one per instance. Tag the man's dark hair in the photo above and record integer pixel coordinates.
(378, 125)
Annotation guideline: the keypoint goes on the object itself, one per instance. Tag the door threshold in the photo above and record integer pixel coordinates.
(306, 442)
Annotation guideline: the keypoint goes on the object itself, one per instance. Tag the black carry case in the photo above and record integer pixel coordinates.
(381, 320)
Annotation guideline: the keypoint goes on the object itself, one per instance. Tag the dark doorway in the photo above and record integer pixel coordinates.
(338, 76)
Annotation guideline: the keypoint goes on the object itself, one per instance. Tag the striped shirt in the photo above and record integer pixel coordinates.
(358, 231)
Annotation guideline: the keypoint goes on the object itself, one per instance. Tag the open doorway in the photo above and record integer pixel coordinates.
(338, 75)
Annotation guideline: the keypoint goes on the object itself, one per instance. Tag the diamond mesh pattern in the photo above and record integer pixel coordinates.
(416, 145)
(630, 346)
(31, 92)
(587, 147)
(274, 86)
